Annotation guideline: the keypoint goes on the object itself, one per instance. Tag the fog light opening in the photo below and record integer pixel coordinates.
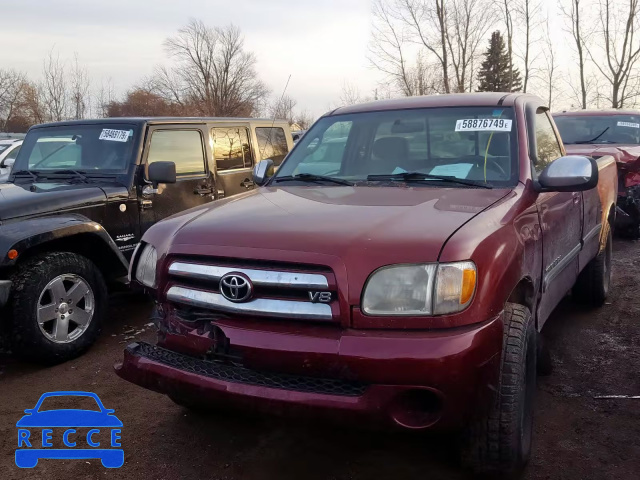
(418, 408)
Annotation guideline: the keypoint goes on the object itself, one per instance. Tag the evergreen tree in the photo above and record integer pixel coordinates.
(494, 71)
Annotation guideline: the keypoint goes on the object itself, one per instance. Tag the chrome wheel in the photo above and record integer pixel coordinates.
(65, 308)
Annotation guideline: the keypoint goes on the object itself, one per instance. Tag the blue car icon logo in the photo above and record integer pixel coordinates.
(97, 428)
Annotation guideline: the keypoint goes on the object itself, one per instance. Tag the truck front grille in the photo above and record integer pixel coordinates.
(280, 292)
(238, 374)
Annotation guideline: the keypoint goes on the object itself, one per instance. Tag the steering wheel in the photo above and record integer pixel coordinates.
(492, 162)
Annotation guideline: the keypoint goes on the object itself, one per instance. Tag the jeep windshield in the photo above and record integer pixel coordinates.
(459, 147)
(585, 129)
(77, 150)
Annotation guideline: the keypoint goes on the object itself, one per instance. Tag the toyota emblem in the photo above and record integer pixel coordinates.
(236, 288)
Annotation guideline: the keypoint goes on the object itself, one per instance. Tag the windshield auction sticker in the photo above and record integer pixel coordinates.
(484, 125)
(114, 135)
(629, 124)
(91, 432)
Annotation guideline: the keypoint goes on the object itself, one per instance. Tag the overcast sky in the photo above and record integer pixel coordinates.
(319, 42)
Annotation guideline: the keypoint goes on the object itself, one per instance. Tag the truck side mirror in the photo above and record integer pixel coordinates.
(262, 172)
(8, 162)
(162, 172)
(572, 173)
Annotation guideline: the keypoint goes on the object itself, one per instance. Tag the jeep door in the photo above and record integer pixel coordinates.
(185, 145)
(233, 155)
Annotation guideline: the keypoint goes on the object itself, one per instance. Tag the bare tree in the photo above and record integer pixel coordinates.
(213, 71)
(427, 21)
(508, 22)
(551, 65)
(55, 89)
(11, 89)
(527, 12)
(387, 52)
(573, 15)
(79, 89)
(619, 22)
(104, 97)
(469, 22)
(350, 94)
(283, 109)
(303, 120)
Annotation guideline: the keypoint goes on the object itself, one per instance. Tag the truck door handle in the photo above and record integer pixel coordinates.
(247, 183)
(203, 191)
(576, 197)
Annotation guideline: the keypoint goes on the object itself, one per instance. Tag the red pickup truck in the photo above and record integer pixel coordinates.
(396, 269)
(616, 133)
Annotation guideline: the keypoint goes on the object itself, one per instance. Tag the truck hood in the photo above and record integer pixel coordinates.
(627, 156)
(28, 199)
(392, 223)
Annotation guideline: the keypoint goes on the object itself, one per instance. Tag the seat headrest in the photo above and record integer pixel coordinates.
(391, 148)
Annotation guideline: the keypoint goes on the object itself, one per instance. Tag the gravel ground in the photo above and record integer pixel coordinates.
(596, 352)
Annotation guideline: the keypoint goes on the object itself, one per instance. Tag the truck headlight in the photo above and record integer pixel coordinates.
(146, 266)
(424, 289)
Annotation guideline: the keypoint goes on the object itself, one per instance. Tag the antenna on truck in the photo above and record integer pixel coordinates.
(275, 113)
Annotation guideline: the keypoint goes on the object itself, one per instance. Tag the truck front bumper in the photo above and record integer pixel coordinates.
(5, 288)
(417, 380)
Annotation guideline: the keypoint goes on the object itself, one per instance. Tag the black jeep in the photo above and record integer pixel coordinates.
(79, 198)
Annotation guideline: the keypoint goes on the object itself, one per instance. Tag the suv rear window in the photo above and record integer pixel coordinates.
(272, 143)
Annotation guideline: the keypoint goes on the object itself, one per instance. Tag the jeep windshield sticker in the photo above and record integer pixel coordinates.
(483, 125)
(629, 124)
(114, 135)
(458, 170)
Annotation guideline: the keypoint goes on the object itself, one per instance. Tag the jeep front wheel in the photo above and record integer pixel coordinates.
(58, 303)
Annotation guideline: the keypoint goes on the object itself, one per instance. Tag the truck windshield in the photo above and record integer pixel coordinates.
(475, 144)
(94, 148)
(599, 128)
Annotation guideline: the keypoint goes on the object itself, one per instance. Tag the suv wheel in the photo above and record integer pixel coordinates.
(499, 442)
(58, 303)
(592, 286)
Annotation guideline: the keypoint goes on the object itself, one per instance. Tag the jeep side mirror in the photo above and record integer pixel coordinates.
(162, 172)
(262, 172)
(572, 173)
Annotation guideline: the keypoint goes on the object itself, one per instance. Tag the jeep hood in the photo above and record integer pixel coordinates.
(28, 199)
(389, 224)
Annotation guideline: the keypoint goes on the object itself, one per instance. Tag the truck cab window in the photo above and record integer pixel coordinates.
(183, 147)
(231, 148)
(548, 147)
(272, 143)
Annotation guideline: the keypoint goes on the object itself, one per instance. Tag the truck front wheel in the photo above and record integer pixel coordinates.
(499, 442)
(58, 301)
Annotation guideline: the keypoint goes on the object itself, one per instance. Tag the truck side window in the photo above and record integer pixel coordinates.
(272, 143)
(231, 148)
(548, 147)
(183, 147)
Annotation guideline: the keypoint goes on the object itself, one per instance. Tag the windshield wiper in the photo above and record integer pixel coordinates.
(310, 177)
(419, 176)
(594, 138)
(21, 173)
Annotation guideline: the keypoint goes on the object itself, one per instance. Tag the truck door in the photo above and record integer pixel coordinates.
(185, 146)
(234, 158)
(560, 215)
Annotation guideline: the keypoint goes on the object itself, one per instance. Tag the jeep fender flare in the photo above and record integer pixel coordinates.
(29, 234)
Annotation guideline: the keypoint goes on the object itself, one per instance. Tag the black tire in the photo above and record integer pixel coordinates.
(29, 341)
(499, 442)
(592, 285)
